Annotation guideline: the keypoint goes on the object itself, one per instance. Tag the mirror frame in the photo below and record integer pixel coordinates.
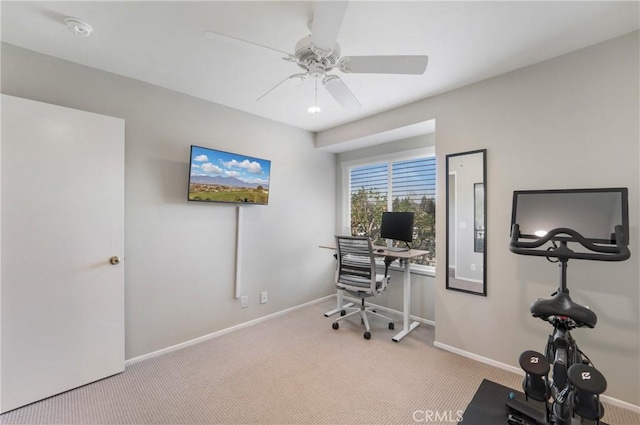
(448, 224)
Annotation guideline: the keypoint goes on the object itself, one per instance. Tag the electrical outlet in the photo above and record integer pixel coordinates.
(263, 297)
(473, 267)
(244, 301)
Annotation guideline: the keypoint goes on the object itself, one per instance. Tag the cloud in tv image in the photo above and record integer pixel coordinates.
(218, 176)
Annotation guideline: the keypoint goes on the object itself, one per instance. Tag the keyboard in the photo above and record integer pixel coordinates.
(397, 249)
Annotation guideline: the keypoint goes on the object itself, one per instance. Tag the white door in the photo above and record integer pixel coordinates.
(62, 210)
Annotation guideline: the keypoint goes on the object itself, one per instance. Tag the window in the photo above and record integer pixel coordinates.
(406, 185)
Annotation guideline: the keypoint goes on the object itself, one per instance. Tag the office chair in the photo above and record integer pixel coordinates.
(356, 275)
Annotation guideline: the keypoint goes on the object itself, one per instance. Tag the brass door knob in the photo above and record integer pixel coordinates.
(114, 260)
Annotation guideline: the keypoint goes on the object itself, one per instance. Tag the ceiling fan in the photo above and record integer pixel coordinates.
(318, 54)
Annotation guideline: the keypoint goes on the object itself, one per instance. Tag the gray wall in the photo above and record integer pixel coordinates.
(179, 256)
(569, 122)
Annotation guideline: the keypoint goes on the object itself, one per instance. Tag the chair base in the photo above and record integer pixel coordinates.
(363, 311)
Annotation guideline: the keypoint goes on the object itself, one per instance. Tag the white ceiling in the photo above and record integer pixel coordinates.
(163, 43)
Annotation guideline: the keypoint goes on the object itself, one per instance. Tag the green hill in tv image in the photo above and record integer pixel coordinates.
(218, 176)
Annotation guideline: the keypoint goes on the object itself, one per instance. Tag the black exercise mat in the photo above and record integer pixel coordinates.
(488, 406)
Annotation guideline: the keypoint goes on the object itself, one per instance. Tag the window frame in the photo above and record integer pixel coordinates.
(426, 152)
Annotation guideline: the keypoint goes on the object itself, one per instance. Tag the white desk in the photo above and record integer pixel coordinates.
(407, 326)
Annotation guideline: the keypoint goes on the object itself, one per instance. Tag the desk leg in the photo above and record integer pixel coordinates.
(406, 313)
(339, 305)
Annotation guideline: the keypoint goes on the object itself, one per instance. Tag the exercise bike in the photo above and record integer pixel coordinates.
(571, 393)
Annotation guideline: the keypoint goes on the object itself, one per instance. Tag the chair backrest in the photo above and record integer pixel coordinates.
(357, 266)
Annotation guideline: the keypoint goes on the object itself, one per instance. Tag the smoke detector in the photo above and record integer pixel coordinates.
(78, 27)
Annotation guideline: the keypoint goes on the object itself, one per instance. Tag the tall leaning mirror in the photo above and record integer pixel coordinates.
(467, 222)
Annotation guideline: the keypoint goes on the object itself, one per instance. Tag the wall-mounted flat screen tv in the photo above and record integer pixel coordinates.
(219, 176)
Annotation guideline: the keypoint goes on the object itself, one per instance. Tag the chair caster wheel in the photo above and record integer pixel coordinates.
(391, 326)
(342, 312)
(335, 325)
(367, 335)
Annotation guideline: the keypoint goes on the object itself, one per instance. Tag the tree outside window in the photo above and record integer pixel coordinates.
(412, 187)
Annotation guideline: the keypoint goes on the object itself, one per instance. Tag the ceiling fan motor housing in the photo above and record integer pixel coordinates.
(310, 59)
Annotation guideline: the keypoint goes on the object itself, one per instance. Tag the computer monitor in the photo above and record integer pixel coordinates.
(397, 226)
(593, 213)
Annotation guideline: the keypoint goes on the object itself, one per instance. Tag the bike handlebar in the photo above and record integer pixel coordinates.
(619, 252)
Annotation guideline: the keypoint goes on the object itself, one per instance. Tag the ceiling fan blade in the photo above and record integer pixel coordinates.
(384, 64)
(290, 77)
(240, 42)
(327, 20)
(340, 92)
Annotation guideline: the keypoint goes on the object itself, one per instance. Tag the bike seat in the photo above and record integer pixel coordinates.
(562, 305)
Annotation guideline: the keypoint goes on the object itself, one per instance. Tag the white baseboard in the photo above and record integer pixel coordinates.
(478, 358)
(609, 400)
(222, 332)
(392, 311)
(619, 403)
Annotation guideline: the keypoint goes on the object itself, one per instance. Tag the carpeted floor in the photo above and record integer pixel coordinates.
(292, 369)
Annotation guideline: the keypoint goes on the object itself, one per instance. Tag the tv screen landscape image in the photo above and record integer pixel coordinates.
(219, 176)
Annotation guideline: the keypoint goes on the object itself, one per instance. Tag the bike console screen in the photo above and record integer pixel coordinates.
(593, 213)
(596, 221)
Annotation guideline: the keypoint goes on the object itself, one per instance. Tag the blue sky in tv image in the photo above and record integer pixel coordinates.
(225, 167)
